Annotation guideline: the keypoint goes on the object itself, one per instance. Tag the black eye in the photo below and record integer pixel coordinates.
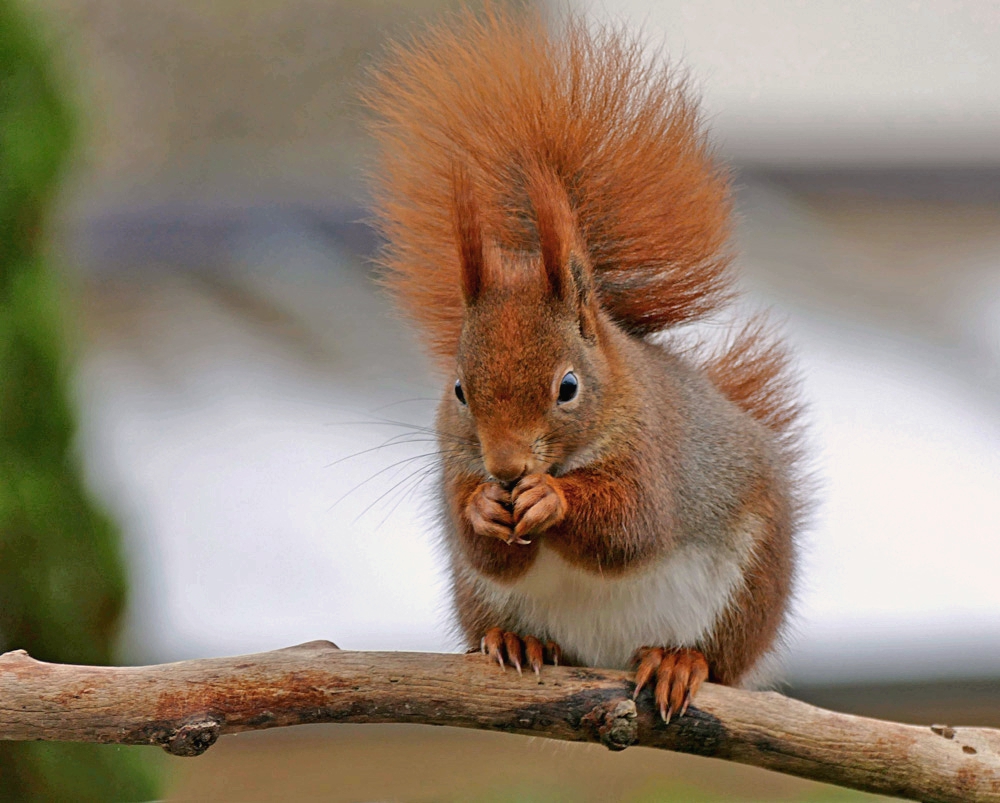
(568, 388)
(459, 394)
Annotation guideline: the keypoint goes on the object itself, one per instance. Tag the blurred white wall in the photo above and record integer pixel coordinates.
(890, 307)
(893, 82)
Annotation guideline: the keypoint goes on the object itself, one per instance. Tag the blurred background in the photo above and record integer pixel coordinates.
(245, 398)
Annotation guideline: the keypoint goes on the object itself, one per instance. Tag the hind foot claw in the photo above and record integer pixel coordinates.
(499, 644)
(676, 674)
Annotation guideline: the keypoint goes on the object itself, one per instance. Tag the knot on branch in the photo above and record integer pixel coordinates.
(193, 739)
(614, 723)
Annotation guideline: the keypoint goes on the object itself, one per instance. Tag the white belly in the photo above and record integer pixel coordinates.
(602, 621)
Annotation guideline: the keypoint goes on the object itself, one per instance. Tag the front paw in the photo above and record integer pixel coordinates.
(539, 504)
(488, 512)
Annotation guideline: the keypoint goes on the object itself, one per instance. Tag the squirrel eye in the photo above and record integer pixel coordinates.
(459, 393)
(568, 388)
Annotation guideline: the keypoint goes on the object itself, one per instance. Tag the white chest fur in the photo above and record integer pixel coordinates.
(602, 621)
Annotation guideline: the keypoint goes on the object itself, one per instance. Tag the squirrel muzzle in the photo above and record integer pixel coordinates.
(509, 458)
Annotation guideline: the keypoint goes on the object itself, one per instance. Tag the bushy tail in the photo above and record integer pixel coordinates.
(497, 93)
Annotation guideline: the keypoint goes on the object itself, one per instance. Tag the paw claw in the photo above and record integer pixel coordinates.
(512, 642)
(687, 702)
(648, 664)
(493, 644)
(535, 655)
(499, 644)
(675, 676)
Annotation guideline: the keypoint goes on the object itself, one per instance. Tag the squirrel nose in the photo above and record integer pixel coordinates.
(506, 464)
(506, 473)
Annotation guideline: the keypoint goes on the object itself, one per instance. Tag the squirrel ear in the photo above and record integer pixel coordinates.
(554, 245)
(469, 234)
(583, 279)
(554, 220)
(567, 269)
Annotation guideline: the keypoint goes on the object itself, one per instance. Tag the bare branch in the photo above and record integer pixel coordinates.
(186, 706)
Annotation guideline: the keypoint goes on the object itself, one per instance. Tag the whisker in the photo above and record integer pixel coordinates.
(405, 401)
(395, 440)
(428, 430)
(380, 472)
(449, 444)
(421, 474)
(368, 451)
(383, 496)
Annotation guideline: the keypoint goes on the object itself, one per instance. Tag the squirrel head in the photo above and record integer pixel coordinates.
(531, 370)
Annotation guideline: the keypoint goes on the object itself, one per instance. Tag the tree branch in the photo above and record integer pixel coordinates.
(186, 706)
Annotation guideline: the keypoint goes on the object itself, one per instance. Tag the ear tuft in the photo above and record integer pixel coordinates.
(564, 259)
(582, 275)
(556, 228)
(468, 234)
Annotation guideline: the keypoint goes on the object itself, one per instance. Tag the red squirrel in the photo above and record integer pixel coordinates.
(549, 202)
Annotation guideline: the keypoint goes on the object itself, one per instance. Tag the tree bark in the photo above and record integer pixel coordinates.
(186, 706)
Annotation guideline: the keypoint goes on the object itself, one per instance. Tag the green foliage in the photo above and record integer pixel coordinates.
(62, 582)
(82, 773)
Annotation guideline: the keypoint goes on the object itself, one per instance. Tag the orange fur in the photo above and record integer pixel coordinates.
(497, 95)
(547, 202)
